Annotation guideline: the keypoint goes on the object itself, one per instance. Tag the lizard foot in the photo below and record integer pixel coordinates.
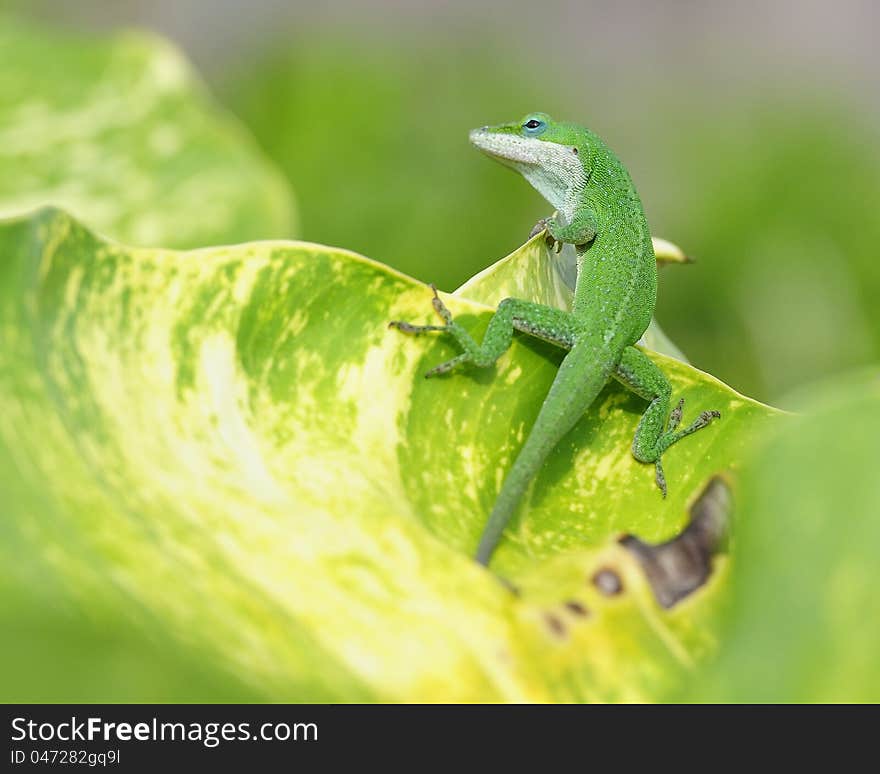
(660, 477)
(416, 330)
(471, 350)
(540, 226)
(673, 434)
(544, 225)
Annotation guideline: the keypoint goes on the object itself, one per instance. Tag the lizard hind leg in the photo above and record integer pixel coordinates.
(658, 428)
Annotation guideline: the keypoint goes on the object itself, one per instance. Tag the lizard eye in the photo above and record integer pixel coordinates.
(534, 126)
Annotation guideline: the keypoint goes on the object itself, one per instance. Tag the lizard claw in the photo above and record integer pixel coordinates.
(660, 477)
(540, 226)
(440, 307)
(545, 225)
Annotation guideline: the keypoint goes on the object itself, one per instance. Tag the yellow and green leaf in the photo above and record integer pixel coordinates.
(227, 452)
(803, 623)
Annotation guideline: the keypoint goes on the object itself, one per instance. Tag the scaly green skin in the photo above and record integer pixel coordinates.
(598, 211)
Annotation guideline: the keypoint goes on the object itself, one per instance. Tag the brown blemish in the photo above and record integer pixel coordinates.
(554, 624)
(576, 608)
(503, 656)
(680, 566)
(510, 587)
(607, 582)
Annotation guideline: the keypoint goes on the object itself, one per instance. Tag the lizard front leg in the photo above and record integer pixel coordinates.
(537, 320)
(658, 428)
(581, 231)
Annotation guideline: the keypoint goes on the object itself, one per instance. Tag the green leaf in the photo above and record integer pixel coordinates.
(49, 651)
(120, 131)
(535, 273)
(804, 618)
(228, 451)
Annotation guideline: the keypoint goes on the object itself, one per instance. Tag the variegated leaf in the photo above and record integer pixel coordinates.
(227, 449)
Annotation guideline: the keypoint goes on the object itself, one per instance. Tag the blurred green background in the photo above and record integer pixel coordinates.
(750, 129)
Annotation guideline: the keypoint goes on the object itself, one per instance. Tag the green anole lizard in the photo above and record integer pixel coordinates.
(599, 212)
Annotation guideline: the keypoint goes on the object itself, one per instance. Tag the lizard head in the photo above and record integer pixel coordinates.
(553, 156)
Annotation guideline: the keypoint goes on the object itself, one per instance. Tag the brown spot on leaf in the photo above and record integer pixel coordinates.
(678, 567)
(608, 582)
(554, 625)
(513, 589)
(576, 608)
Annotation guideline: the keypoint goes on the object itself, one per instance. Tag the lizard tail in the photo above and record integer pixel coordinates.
(582, 375)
